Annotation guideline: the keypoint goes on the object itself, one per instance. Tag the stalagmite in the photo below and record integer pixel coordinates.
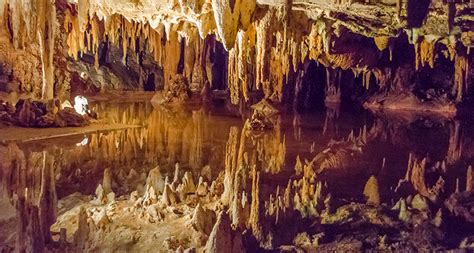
(298, 166)
(203, 219)
(404, 213)
(202, 187)
(82, 233)
(107, 181)
(371, 191)
(156, 180)
(222, 238)
(189, 182)
(150, 197)
(420, 203)
(168, 198)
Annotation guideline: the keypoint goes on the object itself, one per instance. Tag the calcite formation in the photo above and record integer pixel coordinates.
(177, 181)
(268, 43)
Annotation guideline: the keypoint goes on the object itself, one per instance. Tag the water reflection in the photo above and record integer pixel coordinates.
(345, 148)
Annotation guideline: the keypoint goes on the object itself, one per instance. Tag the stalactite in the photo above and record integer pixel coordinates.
(461, 70)
(46, 36)
(239, 64)
(172, 47)
(382, 42)
(263, 49)
(332, 89)
(228, 15)
(190, 54)
(425, 51)
(71, 25)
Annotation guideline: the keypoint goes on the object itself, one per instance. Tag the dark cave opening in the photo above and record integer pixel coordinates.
(149, 85)
(310, 90)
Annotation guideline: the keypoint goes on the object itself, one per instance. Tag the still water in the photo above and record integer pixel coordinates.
(196, 138)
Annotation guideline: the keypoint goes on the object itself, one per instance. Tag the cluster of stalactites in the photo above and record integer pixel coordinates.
(262, 50)
(267, 52)
(33, 22)
(429, 47)
(162, 42)
(23, 19)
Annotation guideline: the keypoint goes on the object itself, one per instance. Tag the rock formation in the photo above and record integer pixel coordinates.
(223, 238)
(161, 182)
(266, 43)
(371, 191)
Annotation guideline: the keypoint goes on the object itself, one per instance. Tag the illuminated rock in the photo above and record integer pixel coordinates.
(223, 238)
(371, 191)
(203, 219)
(156, 180)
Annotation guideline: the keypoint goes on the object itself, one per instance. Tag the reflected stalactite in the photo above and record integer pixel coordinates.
(331, 121)
(339, 154)
(195, 131)
(455, 146)
(230, 165)
(47, 198)
(416, 175)
(31, 189)
(297, 127)
(270, 147)
(164, 165)
(333, 86)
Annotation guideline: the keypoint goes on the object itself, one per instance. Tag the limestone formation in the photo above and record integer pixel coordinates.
(223, 238)
(169, 197)
(203, 219)
(227, 77)
(156, 180)
(371, 191)
(82, 233)
(107, 182)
